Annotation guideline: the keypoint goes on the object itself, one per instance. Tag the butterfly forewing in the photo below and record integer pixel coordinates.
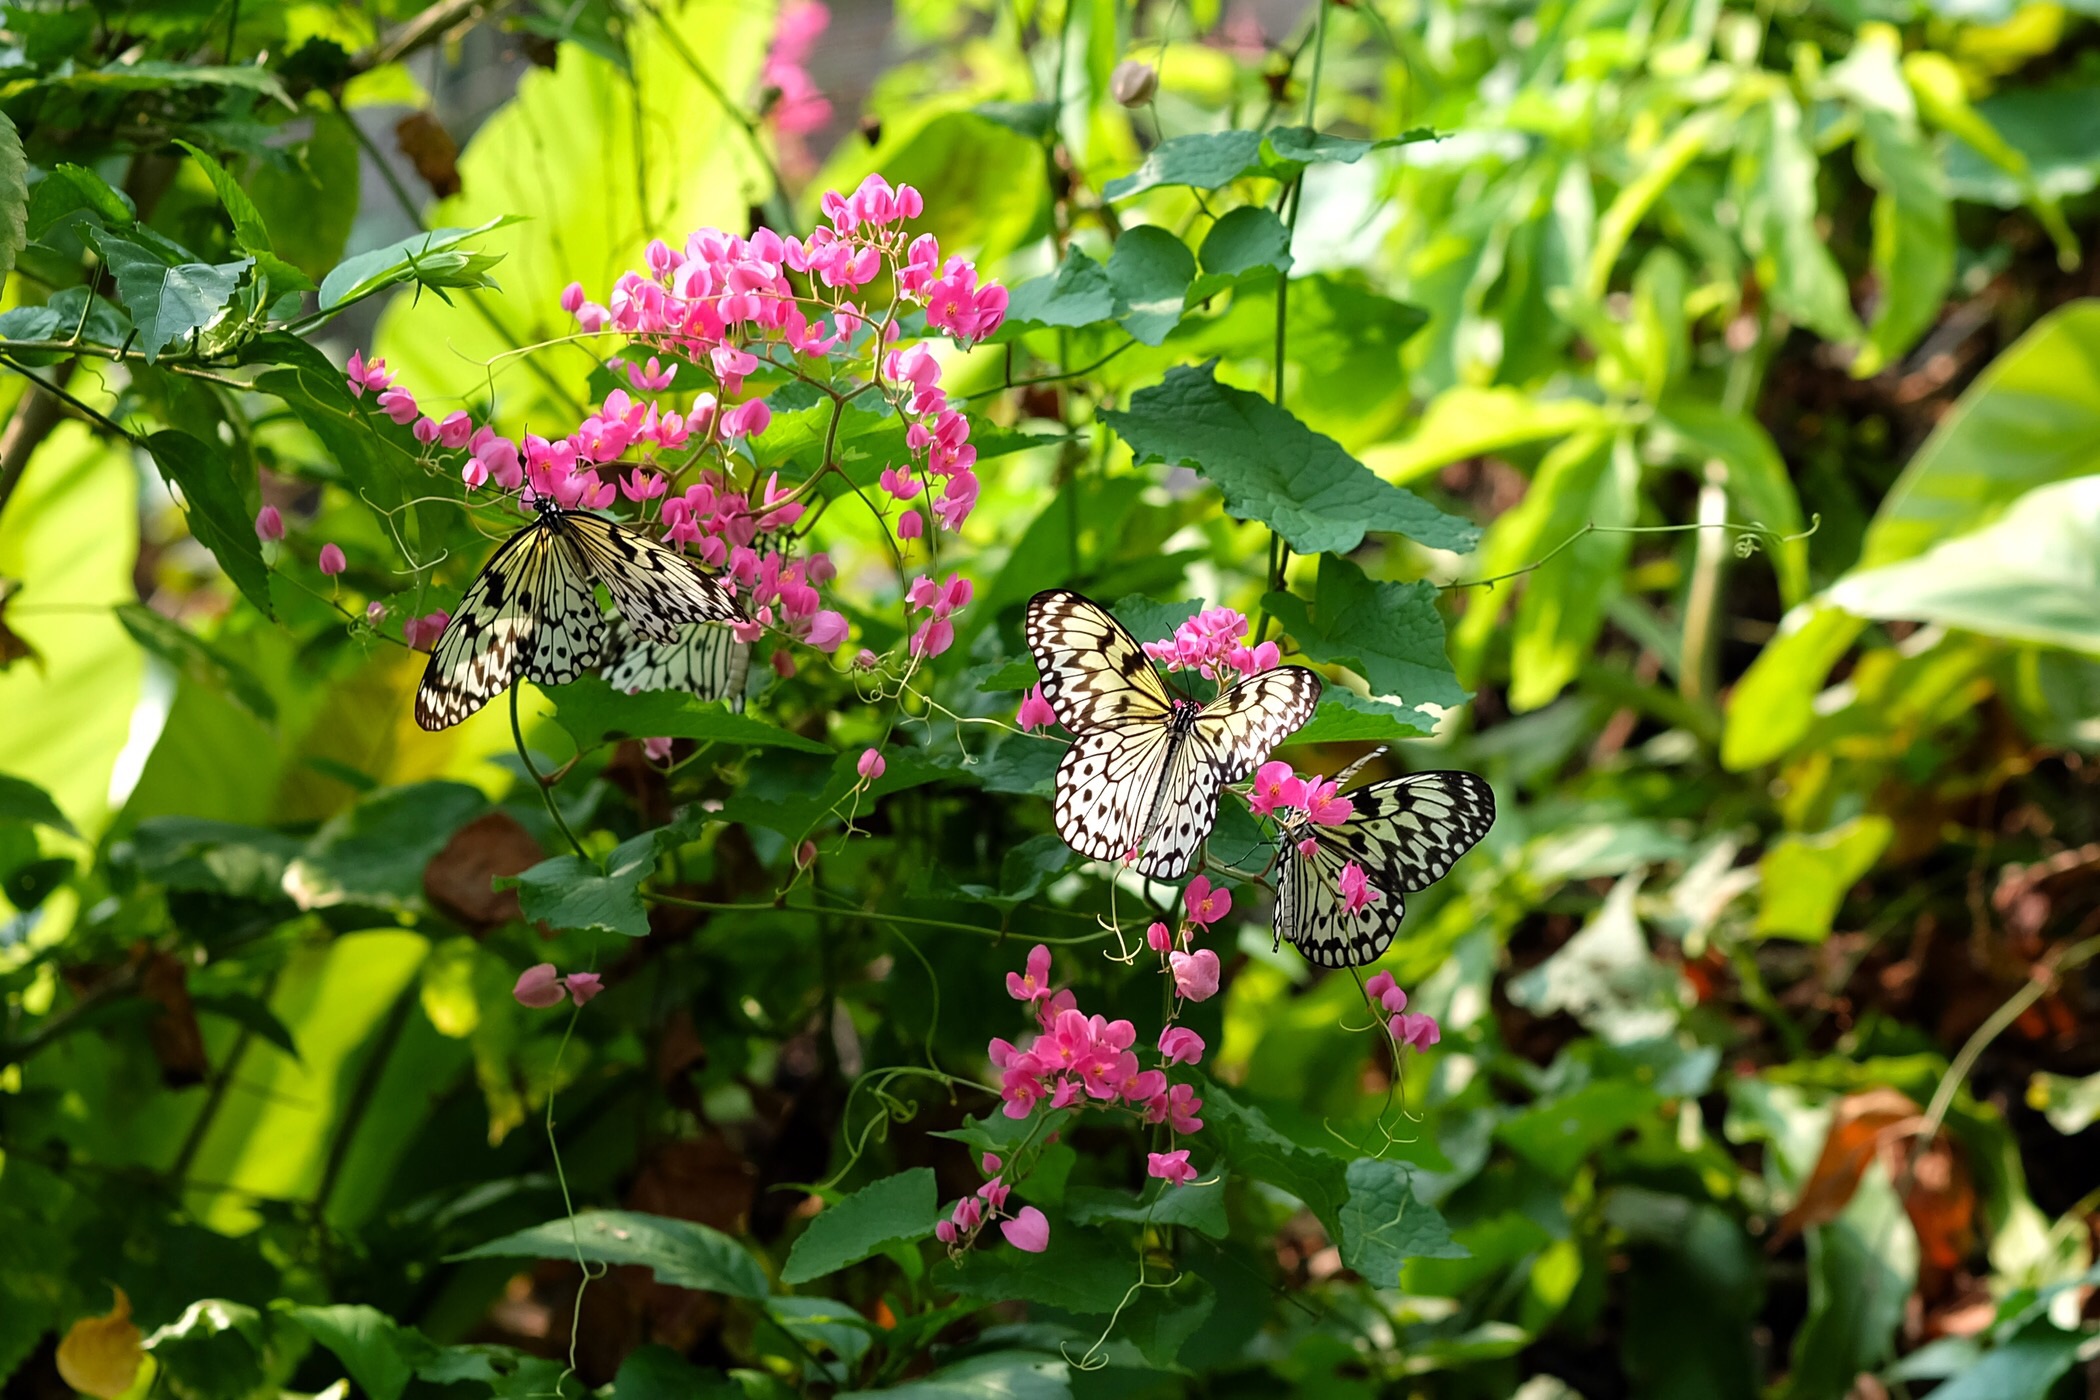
(655, 589)
(706, 659)
(1405, 834)
(486, 644)
(1235, 732)
(568, 635)
(1094, 672)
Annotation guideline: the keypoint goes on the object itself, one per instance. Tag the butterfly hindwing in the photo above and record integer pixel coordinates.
(655, 589)
(519, 614)
(1405, 834)
(1107, 784)
(1094, 672)
(706, 660)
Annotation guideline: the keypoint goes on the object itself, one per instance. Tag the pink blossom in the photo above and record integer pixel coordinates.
(456, 428)
(538, 987)
(422, 632)
(1275, 785)
(1034, 984)
(398, 404)
(994, 1193)
(643, 486)
(826, 630)
(656, 750)
(1035, 712)
(269, 525)
(332, 560)
(425, 430)
(945, 1232)
(932, 639)
(968, 1214)
(871, 764)
(1206, 904)
(1380, 988)
(991, 1163)
(365, 375)
(747, 419)
(1170, 1167)
(783, 664)
(1324, 807)
(1178, 1045)
(1028, 1230)
(910, 525)
(1356, 891)
(1195, 974)
(583, 986)
(1158, 939)
(1414, 1030)
(572, 298)
(1182, 1107)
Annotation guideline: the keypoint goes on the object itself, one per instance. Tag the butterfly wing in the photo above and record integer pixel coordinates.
(1405, 834)
(530, 612)
(1108, 787)
(655, 589)
(1094, 672)
(706, 659)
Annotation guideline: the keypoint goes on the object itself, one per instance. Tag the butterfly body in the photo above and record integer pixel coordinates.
(1404, 835)
(1142, 778)
(533, 612)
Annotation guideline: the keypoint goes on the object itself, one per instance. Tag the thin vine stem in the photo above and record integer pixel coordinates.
(517, 734)
(1754, 530)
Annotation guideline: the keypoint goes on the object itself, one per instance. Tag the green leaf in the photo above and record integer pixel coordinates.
(1200, 1206)
(681, 1253)
(894, 1210)
(655, 1372)
(508, 1374)
(998, 1375)
(1391, 634)
(1246, 243)
(1557, 1134)
(71, 190)
(1605, 976)
(1464, 422)
(250, 1013)
(1862, 1268)
(2025, 1367)
(2051, 133)
(189, 853)
(217, 508)
(1149, 272)
(1256, 1148)
(2071, 1105)
(23, 801)
(571, 892)
(1274, 469)
(380, 1354)
(1034, 120)
(433, 259)
(2032, 417)
(214, 1349)
(168, 303)
(190, 655)
(1081, 1272)
(152, 74)
(375, 852)
(1802, 880)
(1774, 704)
(249, 231)
(1077, 294)
(1913, 238)
(1204, 161)
(14, 196)
(589, 710)
(1287, 149)
(1383, 1225)
(1344, 717)
(1775, 181)
(2031, 576)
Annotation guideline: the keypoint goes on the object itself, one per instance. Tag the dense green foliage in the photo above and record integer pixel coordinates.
(1681, 413)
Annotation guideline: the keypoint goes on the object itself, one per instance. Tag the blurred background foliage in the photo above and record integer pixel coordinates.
(1767, 1067)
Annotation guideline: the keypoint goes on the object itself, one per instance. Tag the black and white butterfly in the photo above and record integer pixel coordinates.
(705, 658)
(1146, 768)
(533, 613)
(1405, 834)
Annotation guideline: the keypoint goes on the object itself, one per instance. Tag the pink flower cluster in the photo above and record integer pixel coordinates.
(730, 307)
(797, 107)
(1277, 787)
(1415, 1030)
(1213, 643)
(1077, 1058)
(540, 986)
(1026, 1229)
(940, 603)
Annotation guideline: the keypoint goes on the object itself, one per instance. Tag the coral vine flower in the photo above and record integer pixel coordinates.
(1206, 904)
(1356, 891)
(1180, 1045)
(1324, 807)
(1171, 1167)
(1034, 984)
(1028, 1230)
(1195, 974)
(1275, 785)
(1415, 1031)
(1035, 711)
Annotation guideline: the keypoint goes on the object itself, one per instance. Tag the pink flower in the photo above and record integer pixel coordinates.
(1324, 807)
(583, 986)
(1028, 1231)
(933, 638)
(456, 429)
(572, 298)
(1170, 1166)
(747, 419)
(991, 1163)
(1195, 974)
(1382, 990)
(269, 525)
(871, 764)
(994, 1193)
(1034, 984)
(332, 560)
(1356, 891)
(399, 405)
(1414, 1030)
(656, 750)
(1035, 712)
(1275, 785)
(538, 987)
(910, 525)
(968, 1214)
(1176, 1108)
(422, 632)
(1158, 939)
(1206, 904)
(826, 630)
(1178, 1045)
(945, 1232)
(425, 430)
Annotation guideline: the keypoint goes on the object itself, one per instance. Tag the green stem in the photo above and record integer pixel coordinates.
(517, 735)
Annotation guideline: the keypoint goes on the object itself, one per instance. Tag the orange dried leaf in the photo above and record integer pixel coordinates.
(1857, 1129)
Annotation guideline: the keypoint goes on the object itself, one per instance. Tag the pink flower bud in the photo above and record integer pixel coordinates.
(1158, 939)
(332, 560)
(871, 765)
(538, 987)
(583, 986)
(269, 525)
(1133, 83)
(1029, 1230)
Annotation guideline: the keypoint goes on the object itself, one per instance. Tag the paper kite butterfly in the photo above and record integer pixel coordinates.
(705, 658)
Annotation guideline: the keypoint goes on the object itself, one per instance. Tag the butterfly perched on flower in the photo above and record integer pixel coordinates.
(1346, 864)
(705, 658)
(1142, 778)
(533, 612)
